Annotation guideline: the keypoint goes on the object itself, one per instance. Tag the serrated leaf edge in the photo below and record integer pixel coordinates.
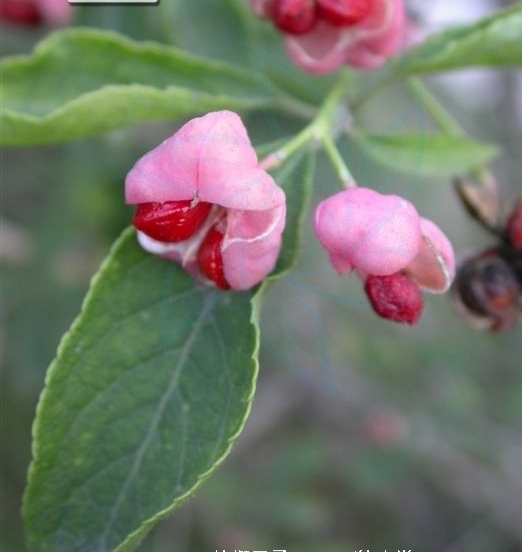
(134, 538)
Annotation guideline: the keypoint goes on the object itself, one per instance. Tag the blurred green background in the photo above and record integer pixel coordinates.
(363, 434)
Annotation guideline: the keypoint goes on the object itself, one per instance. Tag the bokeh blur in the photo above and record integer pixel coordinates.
(363, 434)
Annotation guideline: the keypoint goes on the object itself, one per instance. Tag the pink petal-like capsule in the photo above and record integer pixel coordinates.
(371, 232)
(434, 265)
(379, 36)
(211, 159)
(366, 44)
(251, 245)
(35, 12)
(56, 12)
(262, 8)
(322, 50)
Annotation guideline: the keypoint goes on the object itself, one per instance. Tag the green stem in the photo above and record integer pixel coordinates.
(293, 106)
(438, 113)
(318, 128)
(337, 162)
(448, 124)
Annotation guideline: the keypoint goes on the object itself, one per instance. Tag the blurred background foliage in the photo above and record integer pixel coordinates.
(363, 434)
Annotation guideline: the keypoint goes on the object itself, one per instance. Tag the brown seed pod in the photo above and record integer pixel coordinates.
(488, 289)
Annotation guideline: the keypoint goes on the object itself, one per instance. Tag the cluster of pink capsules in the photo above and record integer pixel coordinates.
(204, 201)
(322, 35)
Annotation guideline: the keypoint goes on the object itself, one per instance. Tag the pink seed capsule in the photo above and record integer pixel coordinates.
(207, 173)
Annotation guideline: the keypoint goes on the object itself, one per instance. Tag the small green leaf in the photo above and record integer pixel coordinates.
(426, 154)
(149, 390)
(83, 81)
(295, 177)
(493, 41)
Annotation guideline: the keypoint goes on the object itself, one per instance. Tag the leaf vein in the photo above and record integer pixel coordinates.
(208, 304)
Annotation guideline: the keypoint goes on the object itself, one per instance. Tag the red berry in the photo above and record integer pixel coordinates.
(20, 11)
(395, 297)
(341, 13)
(294, 16)
(210, 261)
(172, 221)
(514, 227)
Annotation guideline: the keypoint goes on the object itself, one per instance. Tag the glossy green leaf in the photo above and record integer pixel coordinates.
(493, 41)
(83, 81)
(426, 154)
(149, 390)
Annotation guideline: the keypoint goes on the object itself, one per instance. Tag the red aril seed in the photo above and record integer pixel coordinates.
(171, 221)
(20, 11)
(210, 261)
(514, 227)
(294, 16)
(395, 297)
(341, 13)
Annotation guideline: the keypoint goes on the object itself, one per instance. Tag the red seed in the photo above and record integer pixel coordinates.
(20, 11)
(342, 13)
(210, 261)
(395, 297)
(514, 227)
(294, 16)
(171, 221)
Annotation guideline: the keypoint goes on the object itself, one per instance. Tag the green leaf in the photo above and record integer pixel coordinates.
(493, 41)
(149, 390)
(84, 81)
(262, 49)
(204, 28)
(268, 57)
(139, 22)
(295, 177)
(425, 154)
